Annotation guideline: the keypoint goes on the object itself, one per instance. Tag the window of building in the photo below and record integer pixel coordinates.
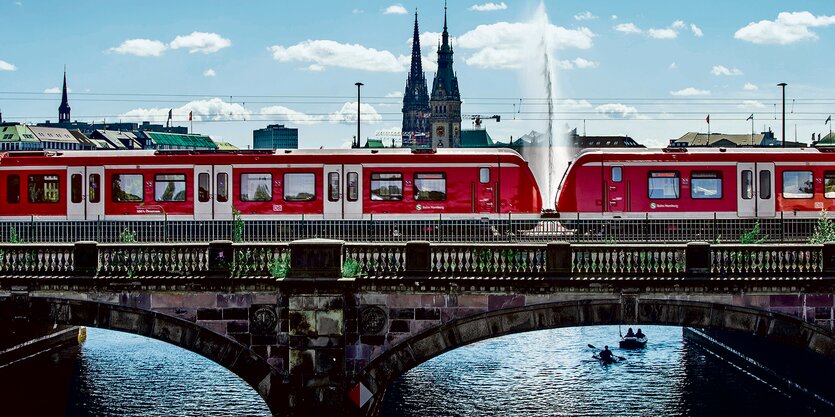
(386, 186)
(203, 187)
(353, 186)
(617, 174)
(13, 189)
(299, 187)
(747, 189)
(170, 187)
(94, 194)
(222, 187)
(44, 189)
(484, 175)
(333, 186)
(829, 184)
(797, 184)
(256, 187)
(663, 185)
(430, 187)
(706, 185)
(75, 187)
(128, 188)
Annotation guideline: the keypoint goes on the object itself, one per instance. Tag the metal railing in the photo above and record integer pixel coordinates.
(508, 230)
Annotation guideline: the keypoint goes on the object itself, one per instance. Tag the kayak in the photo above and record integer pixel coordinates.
(630, 342)
(604, 361)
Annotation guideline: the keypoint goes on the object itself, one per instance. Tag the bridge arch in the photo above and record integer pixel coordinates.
(422, 347)
(229, 353)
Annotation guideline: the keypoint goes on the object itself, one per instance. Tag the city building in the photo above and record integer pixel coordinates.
(56, 138)
(64, 108)
(275, 137)
(175, 141)
(583, 141)
(445, 101)
(17, 137)
(114, 139)
(723, 140)
(416, 113)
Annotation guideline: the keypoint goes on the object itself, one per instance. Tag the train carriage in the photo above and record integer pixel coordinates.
(396, 184)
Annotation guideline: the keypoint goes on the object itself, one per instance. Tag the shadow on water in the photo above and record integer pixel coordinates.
(553, 373)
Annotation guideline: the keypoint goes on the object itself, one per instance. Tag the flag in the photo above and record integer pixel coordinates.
(828, 119)
(170, 112)
(707, 119)
(751, 117)
(189, 116)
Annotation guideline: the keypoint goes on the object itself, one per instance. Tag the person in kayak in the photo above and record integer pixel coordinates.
(606, 354)
(640, 334)
(630, 333)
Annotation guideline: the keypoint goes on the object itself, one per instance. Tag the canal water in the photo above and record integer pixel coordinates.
(532, 374)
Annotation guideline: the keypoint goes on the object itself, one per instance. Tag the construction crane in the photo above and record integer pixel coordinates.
(477, 118)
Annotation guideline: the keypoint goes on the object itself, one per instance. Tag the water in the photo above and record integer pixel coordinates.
(530, 374)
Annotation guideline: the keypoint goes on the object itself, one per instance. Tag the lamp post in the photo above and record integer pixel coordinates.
(784, 111)
(358, 113)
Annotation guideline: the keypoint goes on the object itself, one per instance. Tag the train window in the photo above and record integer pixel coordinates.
(203, 187)
(94, 194)
(353, 186)
(222, 187)
(797, 184)
(13, 189)
(747, 188)
(170, 187)
(484, 175)
(256, 187)
(387, 186)
(44, 189)
(299, 187)
(333, 186)
(706, 184)
(829, 184)
(128, 188)
(617, 174)
(430, 187)
(75, 187)
(765, 185)
(663, 185)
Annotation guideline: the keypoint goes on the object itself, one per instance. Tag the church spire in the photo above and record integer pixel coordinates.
(417, 67)
(415, 128)
(64, 108)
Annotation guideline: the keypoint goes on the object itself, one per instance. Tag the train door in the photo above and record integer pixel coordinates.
(755, 182)
(343, 192)
(84, 193)
(615, 189)
(203, 201)
(222, 201)
(484, 191)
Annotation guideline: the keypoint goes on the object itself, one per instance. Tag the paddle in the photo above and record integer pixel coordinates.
(619, 357)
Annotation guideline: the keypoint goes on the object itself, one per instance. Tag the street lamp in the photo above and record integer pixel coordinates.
(784, 111)
(358, 113)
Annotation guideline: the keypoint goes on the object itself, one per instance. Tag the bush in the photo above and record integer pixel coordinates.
(824, 230)
(752, 236)
(127, 236)
(237, 226)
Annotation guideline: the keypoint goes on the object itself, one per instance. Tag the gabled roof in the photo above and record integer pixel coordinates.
(14, 132)
(181, 140)
(82, 139)
(53, 134)
(226, 146)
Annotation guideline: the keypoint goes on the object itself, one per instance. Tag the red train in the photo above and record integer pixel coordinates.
(316, 184)
(676, 183)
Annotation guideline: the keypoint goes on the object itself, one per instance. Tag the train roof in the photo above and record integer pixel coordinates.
(301, 152)
(704, 150)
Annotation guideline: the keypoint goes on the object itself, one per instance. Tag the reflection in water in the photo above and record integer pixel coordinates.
(552, 373)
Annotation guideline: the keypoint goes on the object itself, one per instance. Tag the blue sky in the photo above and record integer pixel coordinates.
(649, 69)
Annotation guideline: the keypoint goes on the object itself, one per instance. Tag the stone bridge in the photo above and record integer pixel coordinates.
(323, 327)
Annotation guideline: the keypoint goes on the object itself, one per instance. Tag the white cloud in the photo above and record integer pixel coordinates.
(697, 32)
(574, 104)
(750, 87)
(327, 53)
(348, 114)
(690, 91)
(55, 90)
(5, 66)
(510, 45)
(678, 24)
(211, 109)
(209, 73)
(673, 66)
(488, 7)
(666, 33)
(357, 11)
(617, 110)
(628, 28)
(579, 63)
(204, 42)
(789, 27)
(614, 17)
(395, 94)
(140, 47)
(722, 70)
(395, 9)
(585, 16)
(284, 114)
(751, 104)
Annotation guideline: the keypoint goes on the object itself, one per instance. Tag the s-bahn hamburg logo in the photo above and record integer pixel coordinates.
(652, 206)
(418, 207)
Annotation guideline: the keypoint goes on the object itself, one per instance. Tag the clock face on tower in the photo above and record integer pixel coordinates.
(439, 131)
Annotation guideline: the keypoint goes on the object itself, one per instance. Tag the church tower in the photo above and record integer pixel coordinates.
(415, 131)
(445, 102)
(64, 108)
